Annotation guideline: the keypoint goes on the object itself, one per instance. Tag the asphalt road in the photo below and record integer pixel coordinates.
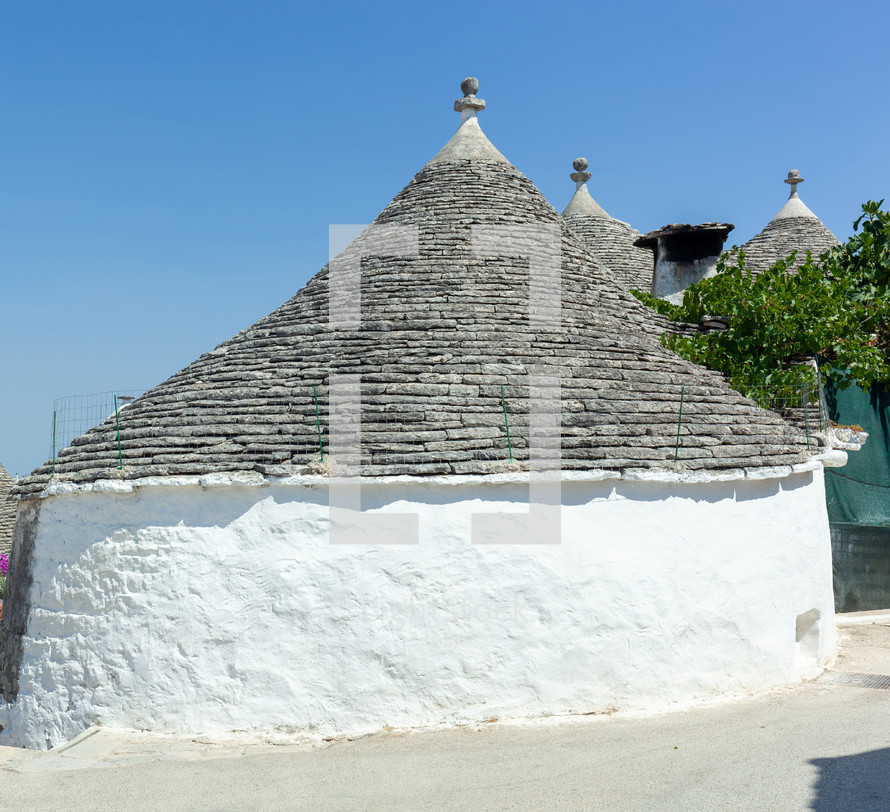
(819, 746)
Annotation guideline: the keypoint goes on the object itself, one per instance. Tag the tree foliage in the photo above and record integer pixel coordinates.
(835, 308)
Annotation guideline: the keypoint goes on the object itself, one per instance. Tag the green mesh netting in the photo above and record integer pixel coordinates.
(859, 493)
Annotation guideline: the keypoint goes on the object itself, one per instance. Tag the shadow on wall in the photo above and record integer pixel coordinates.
(857, 782)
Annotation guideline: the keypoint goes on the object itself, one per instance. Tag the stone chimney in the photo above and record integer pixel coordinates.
(684, 254)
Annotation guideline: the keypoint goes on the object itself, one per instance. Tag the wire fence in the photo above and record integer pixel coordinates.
(77, 414)
(802, 404)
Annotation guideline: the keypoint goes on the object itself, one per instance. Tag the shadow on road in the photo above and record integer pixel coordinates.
(860, 782)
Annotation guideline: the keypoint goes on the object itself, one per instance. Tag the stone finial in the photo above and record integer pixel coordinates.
(579, 175)
(468, 87)
(793, 179)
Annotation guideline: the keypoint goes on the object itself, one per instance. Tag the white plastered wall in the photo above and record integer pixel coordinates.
(211, 605)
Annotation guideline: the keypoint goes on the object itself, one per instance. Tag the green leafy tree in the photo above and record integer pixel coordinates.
(835, 308)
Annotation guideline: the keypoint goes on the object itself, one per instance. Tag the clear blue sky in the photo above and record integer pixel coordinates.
(170, 169)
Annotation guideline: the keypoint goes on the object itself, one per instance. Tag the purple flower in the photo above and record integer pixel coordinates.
(4, 564)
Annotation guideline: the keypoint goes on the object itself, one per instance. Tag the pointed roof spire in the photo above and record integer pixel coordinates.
(469, 142)
(794, 206)
(582, 204)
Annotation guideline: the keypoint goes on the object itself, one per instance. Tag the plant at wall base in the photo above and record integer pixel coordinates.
(4, 568)
(835, 308)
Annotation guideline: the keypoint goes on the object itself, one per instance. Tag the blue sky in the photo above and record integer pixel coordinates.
(169, 170)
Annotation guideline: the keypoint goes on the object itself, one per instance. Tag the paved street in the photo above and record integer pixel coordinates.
(824, 746)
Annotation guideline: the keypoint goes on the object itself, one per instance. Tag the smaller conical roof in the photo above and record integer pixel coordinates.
(794, 228)
(610, 241)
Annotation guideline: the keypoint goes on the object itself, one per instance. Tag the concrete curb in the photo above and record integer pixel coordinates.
(881, 616)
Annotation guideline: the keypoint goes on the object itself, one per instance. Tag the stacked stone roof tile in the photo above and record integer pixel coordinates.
(445, 345)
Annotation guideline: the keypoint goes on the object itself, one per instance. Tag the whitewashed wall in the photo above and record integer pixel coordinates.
(218, 606)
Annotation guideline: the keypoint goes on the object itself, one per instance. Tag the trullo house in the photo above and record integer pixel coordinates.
(557, 515)
(794, 228)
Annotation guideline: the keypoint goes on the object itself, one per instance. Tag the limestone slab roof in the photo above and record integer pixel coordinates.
(446, 346)
(7, 510)
(608, 240)
(794, 228)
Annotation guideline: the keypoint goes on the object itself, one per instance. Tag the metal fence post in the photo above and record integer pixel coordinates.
(679, 423)
(507, 425)
(54, 444)
(117, 423)
(318, 422)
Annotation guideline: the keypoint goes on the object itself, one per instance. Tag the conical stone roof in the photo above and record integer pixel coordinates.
(446, 346)
(7, 510)
(608, 240)
(794, 228)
